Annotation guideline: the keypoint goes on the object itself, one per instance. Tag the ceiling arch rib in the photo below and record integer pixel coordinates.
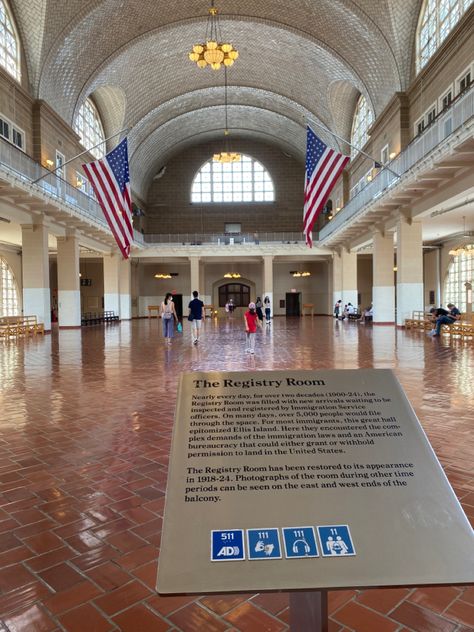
(203, 124)
(369, 53)
(237, 96)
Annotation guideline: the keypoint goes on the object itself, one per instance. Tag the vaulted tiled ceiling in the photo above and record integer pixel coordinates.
(299, 59)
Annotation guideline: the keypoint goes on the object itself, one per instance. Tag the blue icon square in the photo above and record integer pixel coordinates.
(336, 541)
(227, 546)
(263, 544)
(300, 542)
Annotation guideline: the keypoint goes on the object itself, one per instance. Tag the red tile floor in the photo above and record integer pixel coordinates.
(86, 420)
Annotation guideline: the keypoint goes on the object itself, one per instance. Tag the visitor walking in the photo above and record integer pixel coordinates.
(259, 308)
(267, 305)
(251, 321)
(195, 316)
(168, 317)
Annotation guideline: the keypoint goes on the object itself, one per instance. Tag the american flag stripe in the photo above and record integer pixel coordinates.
(102, 197)
(106, 200)
(323, 168)
(331, 174)
(114, 197)
(110, 179)
(318, 180)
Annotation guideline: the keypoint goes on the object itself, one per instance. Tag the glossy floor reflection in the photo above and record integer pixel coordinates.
(86, 421)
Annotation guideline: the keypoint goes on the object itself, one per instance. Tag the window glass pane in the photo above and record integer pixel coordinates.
(8, 291)
(89, 127)
(9, 48)
(239, 181)
(437, 20)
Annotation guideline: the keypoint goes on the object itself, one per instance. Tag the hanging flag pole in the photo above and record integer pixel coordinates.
(311, 122)
(86, 151)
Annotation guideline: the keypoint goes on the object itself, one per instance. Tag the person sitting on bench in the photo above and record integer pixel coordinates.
(441, 317)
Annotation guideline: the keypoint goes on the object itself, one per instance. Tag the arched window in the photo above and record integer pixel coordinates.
(9, 44)
(89, 127)
(437, 19)
(244, 181)
(8, 290)
(363, 119)
(460, 271)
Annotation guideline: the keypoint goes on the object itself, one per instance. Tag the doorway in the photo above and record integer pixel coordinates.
(178, 305)
(293, 304)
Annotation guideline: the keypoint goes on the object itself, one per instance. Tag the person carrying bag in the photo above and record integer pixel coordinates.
(168, 317)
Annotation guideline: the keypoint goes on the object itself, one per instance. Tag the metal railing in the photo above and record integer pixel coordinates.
(221, 239)
(446, 123)
(15, 162)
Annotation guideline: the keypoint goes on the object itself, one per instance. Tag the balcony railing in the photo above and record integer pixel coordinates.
(15, 162)
(221, 239)
(447, 123)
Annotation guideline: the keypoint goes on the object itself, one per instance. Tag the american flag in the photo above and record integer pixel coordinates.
(323, 168)
(110, 179)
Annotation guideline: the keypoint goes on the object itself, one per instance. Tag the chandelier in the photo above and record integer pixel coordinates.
(300, 274)
(232, 275)
(213, 52)
(467, 250)
(227, 155)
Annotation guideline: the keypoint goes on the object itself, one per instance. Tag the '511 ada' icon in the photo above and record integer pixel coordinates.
(227, 546)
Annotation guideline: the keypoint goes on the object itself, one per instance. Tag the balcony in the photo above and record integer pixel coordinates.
(451, 127)
(52, 195)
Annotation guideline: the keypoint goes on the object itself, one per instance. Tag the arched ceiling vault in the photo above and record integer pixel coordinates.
(298, 59)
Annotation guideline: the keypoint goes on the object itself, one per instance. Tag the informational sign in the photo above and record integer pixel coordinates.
(306, 480)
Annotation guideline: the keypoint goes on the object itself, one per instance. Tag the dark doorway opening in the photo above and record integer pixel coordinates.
(293, 304)
(238, 292)
(178, 305)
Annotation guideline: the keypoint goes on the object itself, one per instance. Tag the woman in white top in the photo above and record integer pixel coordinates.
(168, 316)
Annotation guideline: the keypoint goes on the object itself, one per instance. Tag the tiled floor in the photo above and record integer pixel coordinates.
(86, 421)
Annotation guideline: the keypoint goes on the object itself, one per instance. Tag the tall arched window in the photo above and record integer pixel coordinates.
(460, 271)
(89, 127)
(8, 290)
(244, 181)
(437, 19)
(363, 119)
(9, 44)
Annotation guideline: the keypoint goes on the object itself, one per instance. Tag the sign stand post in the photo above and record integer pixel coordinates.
(309, 611)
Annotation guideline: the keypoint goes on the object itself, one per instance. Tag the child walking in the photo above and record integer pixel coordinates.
(251, 321)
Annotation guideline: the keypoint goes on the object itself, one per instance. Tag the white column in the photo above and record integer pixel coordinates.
(194, 276)
(409, 269)
(345, 277)
(36, 291)
(111, 283)
(69, 293)
(268, 280)
(383, 291)
(125, 288)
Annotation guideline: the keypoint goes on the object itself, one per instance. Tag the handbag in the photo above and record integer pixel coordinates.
(179, 327)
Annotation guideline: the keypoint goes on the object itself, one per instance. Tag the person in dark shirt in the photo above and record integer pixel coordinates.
(442, 316)
(195, 316)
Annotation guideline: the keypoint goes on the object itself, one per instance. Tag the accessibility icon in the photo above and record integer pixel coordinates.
(263, 544)
(336, 541)
(300, 542)
(227, 546)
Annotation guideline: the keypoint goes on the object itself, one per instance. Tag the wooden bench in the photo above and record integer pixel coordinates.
(308, 307)
(419, 320)
(96, 318)
(210, 309)
(153, 308)
(20, 326)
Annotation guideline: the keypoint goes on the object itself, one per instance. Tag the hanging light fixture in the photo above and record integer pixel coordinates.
(213, 52)
(467, 250)
(227, 155)
(298, 274)
(232, 275)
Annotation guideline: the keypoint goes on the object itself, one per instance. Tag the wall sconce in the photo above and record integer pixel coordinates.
(369, 178)
(329, 216)
(49, 163)
(395, 268)
(298, 274)
(166, 275)
(231, 275)
(79, 183)
(392, 155)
